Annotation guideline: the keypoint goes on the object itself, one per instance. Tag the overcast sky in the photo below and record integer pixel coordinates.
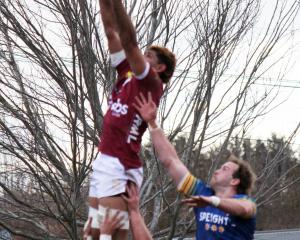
(284, 119)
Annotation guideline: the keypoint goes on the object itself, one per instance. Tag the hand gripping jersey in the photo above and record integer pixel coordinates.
(213, 223)
(123, 127)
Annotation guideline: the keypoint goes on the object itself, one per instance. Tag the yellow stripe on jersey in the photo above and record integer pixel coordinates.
(129, 74)
(188, 185)
(185, 183)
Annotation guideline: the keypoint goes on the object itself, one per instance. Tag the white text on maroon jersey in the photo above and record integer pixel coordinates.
(134, 130)
(118, 108)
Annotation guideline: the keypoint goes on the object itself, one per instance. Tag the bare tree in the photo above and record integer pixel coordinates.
(219, 97)
(277, 165)
(55, 78)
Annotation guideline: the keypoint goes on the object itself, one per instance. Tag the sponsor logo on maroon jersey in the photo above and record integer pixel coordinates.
(117, 108)
(134, 130)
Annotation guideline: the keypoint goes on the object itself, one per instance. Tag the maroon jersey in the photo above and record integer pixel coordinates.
(123, 127)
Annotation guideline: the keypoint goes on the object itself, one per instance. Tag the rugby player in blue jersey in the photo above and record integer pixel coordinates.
(223, 208)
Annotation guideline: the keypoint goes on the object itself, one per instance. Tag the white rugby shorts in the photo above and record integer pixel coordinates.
(109, 177)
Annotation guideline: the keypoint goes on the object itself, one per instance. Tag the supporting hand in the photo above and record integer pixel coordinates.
(138, 227)
(146, 108)
(198, 201)
(133, 197)
(110, 223)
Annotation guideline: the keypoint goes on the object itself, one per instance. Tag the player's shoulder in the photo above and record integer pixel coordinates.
(203, 188)
(244, 197)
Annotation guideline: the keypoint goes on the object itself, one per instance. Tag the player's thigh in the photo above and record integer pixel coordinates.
(93, 202)
(115, 202)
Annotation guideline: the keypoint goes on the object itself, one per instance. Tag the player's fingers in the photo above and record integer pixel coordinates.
(138, 101)
(186, 201)
(150, 97)
(142, 97)
(135, 190)
(116, 216)
(204, 199)
(136, 106)
(196, 197)
(87, 228)
(88, 223)
(126, 199)
(150, 100)
(189, 200)
(127, 187)
(131, 189)
(192, 205)
(120, 225)
(107, 214)
(117, 219)
(129, 194)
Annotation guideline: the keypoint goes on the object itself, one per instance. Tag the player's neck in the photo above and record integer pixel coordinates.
(224, 192)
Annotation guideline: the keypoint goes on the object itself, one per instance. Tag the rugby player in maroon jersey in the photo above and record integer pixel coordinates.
(118, 161)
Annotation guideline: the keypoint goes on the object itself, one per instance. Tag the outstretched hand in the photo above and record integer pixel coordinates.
(197, 201)
(146, 107)
(110, 223)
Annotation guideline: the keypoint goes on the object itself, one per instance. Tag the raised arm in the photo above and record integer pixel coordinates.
(128, 38)
(110, 26)
(165, 150)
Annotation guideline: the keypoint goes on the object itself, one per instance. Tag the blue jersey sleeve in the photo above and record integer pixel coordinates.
(192, 186)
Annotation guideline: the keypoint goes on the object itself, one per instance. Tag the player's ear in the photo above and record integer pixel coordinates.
(161, 67)
(235, 181)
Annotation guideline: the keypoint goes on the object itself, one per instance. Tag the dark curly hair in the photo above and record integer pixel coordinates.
(166, 57)
(245, 174)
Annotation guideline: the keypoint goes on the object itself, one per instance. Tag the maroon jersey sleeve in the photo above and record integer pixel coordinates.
(118, 61)
(123, 69)
(149, 79)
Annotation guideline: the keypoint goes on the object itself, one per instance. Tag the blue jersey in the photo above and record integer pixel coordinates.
(213, 223)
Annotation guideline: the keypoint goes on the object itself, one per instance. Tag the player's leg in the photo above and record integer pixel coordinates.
(93, 215)
(97, 214)
(108, 179)
(115, 203)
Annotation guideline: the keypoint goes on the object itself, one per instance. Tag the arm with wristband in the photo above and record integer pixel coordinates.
(164, 149)
(244, 208)
(183, 179)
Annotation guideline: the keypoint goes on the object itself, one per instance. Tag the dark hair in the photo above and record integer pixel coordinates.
(166, 57)
(245, 174)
